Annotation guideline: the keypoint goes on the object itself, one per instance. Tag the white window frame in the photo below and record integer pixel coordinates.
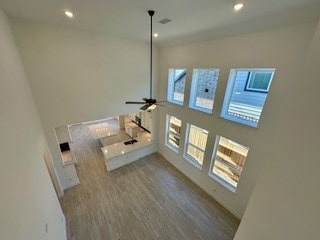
(188, 157)
(252, 77)
(168, 132)
(171, 84)
(215, 176)
(229, 91)
(193, 96)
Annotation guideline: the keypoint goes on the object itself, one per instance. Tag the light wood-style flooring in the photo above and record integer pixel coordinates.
(148, 199)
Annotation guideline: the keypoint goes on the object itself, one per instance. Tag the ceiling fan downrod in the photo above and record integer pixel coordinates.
(151, 13)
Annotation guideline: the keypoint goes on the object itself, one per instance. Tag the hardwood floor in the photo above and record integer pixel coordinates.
(148, 199)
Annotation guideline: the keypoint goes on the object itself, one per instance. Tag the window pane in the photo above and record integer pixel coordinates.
(204, 84)
(195, 153)
(173, 132)
(175, 125)
(228, 161)
(246, 94)
(176, 85)
(259, 81)
(195, 144)
(198, 137)
(174, 140)
(178, 89)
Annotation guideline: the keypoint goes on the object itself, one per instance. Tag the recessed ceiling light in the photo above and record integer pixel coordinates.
(68, 14)
(238, 6)
(156, 35)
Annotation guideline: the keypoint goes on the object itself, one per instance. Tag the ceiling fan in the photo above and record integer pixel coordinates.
(148, 103)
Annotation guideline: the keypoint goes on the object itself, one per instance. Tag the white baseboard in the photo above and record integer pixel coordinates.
(65, 226)
(204, 188)
(214, 196)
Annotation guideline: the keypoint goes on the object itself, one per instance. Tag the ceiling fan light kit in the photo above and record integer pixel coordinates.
(149, 103)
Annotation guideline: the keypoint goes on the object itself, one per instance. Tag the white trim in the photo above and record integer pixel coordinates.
(254, 69)
(176, 150)
(170, 87)
(167, 143)
(214, 176)
(176, 102)
(94, 121)
(191, 160)
(252, 75)
(193, 96)
(240, 121)
(229, 91)
(61, 189)
(65, 226)
(75, 183)
(201, 109)
(206, 189)
(222, 181)
(188, 157)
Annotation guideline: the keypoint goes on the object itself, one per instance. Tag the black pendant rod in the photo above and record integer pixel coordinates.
(151, 13)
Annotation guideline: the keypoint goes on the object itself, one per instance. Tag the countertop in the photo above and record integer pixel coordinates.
(119, 148)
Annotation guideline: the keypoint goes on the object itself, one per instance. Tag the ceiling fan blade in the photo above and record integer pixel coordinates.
(163, 105)
(145, 107)
(135, 102)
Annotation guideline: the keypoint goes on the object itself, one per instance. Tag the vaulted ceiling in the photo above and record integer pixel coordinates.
(191, 19)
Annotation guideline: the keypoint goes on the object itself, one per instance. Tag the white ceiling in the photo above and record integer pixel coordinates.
(191, 19)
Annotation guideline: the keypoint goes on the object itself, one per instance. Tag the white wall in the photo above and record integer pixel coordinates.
(285, 201)
(282, 49)
(28, 199)
(63, 134)
(78, 76)
(51, 169)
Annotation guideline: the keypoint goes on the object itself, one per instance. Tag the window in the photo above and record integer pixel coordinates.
(195, 146)
(246, 94)
(227, 162)
(259, 81)
(203, 88)
(176, 85)
(173, 132)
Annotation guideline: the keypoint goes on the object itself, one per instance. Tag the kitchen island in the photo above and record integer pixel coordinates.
(119, 154)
